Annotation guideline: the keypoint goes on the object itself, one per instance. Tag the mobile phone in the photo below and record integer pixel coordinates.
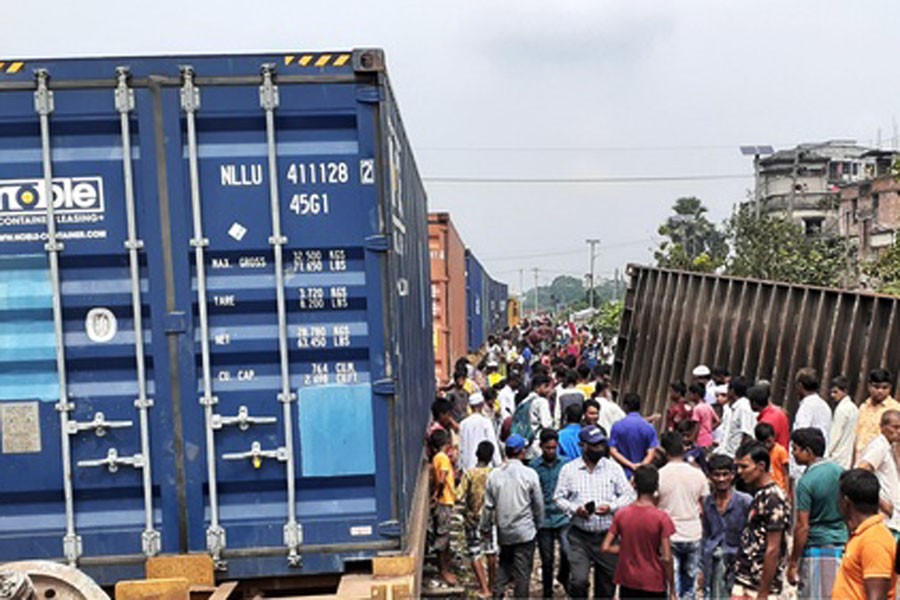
(590, 507)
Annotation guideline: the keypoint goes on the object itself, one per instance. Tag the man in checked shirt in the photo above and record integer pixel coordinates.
(590, 490)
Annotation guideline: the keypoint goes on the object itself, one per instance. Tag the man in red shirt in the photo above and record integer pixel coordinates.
(645, 568)
(769, 413)
(678, 410)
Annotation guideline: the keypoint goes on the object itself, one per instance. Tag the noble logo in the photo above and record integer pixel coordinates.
(71, 195)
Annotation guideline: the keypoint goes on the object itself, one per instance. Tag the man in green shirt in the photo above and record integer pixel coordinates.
(819, 533)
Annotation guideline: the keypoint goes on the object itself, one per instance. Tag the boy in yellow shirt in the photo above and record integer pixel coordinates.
(443, 497)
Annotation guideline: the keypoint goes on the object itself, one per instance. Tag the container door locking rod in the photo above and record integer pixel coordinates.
(124, 101)
(293, 531)
(190, 103)
(43, 105)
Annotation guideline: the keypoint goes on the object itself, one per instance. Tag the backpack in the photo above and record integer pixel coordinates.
(521, 421)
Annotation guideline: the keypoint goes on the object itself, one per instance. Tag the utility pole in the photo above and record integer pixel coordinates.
(593, 244)
(616, 285)
(521, 282)
(794, 172)
(535, 270)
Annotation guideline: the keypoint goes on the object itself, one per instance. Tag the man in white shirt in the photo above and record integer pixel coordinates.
(702, 375)
(610, 413)
(741, 421)
(878, 457)
(539, 412)
(681, 490)
(843, 427)
(507, 396)
(566, 394)
(812, 412)
(473, 430)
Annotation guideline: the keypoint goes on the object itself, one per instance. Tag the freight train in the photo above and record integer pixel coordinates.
(468, 305)
(215, 332)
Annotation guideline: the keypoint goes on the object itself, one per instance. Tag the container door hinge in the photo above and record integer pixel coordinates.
(385, 387)
(390, 529)
(369, 94)
(378, 243)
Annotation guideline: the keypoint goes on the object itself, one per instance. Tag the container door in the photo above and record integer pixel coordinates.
(280, 246)
(78, 383)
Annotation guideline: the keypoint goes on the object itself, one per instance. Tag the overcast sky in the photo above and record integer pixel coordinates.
(553, 90)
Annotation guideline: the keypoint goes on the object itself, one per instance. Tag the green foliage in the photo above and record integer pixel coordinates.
(563, 291)
(885, 271)
(608, 318)
(774, 248)
(693, 242)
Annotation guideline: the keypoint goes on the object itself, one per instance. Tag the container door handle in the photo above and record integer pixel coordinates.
(256, 454)
(113, 461)
(99, 424)
(243, 420)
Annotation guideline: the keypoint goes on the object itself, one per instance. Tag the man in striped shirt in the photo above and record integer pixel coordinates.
(590, 490)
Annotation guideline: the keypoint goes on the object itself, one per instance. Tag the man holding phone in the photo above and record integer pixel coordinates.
(590, 490)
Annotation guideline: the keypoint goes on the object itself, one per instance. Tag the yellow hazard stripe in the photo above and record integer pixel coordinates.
(11, 67)
(317, 60)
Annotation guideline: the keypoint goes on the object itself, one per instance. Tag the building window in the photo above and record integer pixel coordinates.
(875, 202)
(855, 210)
(813, 226)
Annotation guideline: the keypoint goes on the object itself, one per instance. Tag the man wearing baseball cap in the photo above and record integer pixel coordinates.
(590, 490)
(513, 501)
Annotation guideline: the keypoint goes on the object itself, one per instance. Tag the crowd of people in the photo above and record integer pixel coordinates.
(721, 496)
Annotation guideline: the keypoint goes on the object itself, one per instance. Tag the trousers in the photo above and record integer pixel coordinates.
(514, 565)
(584, 553)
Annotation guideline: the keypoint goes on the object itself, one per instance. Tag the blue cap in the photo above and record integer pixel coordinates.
(515, 442)
(591, 434)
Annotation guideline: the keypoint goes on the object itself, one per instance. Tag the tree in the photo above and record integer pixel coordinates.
(694, 243)
(884, 271)
(775, 248)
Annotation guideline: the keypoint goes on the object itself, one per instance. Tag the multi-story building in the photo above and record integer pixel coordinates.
(870, 215)
(803, 183)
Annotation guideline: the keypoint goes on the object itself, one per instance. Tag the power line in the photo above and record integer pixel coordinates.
(587, 180)
(564, 252)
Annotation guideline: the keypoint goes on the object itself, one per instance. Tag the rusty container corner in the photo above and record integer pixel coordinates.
(674, 320)
(448, 291)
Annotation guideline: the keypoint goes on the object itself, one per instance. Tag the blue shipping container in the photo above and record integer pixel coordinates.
(217, 335)
(499, 293)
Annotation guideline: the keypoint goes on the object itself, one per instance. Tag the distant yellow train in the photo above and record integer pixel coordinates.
(513, 311)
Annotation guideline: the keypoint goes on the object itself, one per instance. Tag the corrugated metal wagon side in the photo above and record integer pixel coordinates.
(673, 321)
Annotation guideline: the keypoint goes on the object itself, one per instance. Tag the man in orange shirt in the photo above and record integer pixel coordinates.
(867, 567)
(868, 423)
(778, 456)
